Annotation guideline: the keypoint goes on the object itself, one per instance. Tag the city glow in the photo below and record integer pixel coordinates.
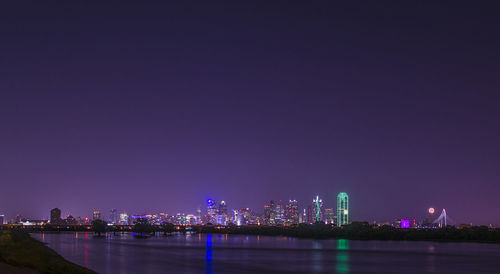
(405, 223)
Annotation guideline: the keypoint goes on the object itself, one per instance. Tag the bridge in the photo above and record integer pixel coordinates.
(444, 220)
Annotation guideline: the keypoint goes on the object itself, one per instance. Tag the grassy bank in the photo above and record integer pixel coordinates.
(18, 249)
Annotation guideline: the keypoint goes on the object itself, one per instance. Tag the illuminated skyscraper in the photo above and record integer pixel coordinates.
(318, 209)
(235, 219)
(245, 214)
(329, 216)
(180, 219)
(222, 208)
(222, 214)
(124, 218)
(309, 215)
(292, 212)
(191, 219)
(198, 216)
(267, 214)
(279, 214)
(70, 220)
(96, 215)
(2, 217)
(342, 209)
(211, 211)
(113, 216)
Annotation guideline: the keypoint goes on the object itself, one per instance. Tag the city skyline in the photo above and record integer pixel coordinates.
(334, 203)
(159, 107)
(279, 136)
(277, 212)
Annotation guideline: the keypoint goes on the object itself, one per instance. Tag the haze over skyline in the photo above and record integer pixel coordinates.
(155, 108)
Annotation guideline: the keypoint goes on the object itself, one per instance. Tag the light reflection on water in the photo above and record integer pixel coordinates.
(122, 253)
(317, 256)
(208, 255)
(342, 256)
(85, 256)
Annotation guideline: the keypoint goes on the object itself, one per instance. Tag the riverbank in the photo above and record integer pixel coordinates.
(364, 231)
(353, 231)
(19, 253)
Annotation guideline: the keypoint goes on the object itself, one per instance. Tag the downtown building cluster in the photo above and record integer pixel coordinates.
(274, 213)
(217, 213)
(279, 213)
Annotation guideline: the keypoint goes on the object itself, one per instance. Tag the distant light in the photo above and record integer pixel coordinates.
(431, 210)
(405, 223)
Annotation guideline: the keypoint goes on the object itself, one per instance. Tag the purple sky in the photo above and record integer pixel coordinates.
(155, 108)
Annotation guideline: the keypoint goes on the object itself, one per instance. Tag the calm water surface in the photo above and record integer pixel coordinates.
(122, 253)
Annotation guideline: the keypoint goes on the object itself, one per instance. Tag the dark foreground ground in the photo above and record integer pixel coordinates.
(19, 253)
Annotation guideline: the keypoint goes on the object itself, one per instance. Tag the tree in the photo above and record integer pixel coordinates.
(99, 226)
(167, 227)
(141, 227)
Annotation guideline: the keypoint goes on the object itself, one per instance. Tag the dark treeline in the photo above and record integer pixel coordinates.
(353, 231)
(364, 231)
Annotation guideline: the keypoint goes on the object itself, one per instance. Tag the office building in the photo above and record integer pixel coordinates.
(292, 212)
(124, 220)
(211, 211)
(96, 215)
(279, 213)
(70, 220)
(55, 216)
(317, 209)
(329, 215)
(267, 215)
(308, 215)
(272, 213)
(114, 218)
(222, 214)
(198, 216)
(342, 209)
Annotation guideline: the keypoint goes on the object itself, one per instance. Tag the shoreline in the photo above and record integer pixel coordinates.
(354, 231)
(21, 253)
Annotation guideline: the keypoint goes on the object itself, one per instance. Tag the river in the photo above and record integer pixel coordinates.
(122, 253)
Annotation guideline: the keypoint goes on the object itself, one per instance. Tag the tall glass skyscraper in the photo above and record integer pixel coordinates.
(222, 214)
(211, 211)
(292, 212)
(342, 209)
(318, 209)
(113, 216)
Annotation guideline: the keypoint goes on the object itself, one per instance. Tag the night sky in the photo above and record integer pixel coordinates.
(155, 108)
